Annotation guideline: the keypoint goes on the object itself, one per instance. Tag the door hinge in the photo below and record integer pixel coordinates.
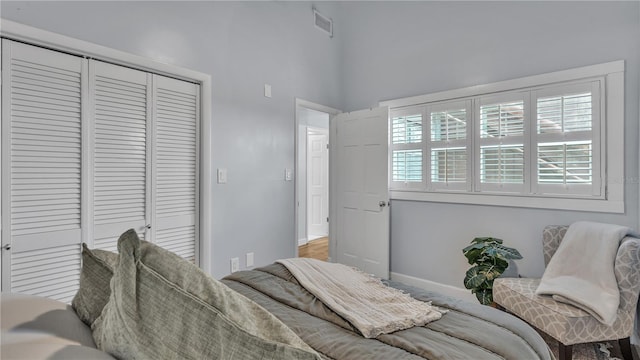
(327, 219)
(327, 146)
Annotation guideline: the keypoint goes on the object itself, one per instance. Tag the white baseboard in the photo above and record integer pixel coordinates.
(302, 241)
(444, 289)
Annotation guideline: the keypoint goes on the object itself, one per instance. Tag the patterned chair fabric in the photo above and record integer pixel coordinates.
(566, 323)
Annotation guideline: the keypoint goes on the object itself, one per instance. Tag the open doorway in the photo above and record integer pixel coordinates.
(312, 179)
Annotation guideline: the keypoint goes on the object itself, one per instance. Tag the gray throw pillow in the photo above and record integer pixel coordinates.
(94, 291)
(164, 307)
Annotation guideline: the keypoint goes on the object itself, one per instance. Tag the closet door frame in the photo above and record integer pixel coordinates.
(34, 36)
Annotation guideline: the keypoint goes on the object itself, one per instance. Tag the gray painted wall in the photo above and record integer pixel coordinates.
(243, 46)
(381, 51)
(394, 50)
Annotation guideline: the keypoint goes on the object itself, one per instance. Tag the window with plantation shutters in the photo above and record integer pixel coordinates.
(538, 141)
(41, 172)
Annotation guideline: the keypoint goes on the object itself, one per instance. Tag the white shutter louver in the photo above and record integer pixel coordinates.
(407, 129)
(406, 143)
(176, 165)
(565, 163)
(502, 164)
(449, 165)
(449, 145)
(120, 152)
(44, 137)
(407, 165)
(502, 143)
(502, 120)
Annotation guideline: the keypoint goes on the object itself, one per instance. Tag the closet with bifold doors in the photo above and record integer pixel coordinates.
(89, 150)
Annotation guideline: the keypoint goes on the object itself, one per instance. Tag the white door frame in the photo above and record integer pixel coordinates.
(300, 103)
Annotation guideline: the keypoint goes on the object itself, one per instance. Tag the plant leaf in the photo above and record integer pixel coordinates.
(486, 240)
(474, 278)
(492, 272)
(472, 255)
(509, 253)
(485, 296)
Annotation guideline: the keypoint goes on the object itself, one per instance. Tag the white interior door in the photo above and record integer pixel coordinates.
(360, 195)
(317, 184)
(41, 170)
(176, 169)
(119, 99)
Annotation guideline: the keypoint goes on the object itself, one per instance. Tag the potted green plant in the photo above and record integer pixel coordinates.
(490, 259)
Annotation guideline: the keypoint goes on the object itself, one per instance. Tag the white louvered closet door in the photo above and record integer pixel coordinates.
(120, 109)
(175, 166)
(41, 170)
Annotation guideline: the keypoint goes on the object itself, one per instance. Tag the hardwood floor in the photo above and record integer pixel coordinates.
(316, 249)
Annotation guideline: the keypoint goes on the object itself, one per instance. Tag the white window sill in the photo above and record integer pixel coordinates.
(592, 205)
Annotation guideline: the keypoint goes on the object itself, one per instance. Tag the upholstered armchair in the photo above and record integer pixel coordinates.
(567, 324)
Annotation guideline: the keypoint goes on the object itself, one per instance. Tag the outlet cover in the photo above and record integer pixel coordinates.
(235, 264)
(249, 259)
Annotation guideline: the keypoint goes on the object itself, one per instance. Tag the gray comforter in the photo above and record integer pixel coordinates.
(467, 331)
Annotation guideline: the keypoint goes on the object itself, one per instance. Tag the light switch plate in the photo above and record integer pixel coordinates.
(222, 176)
(288, 174)
(267, 90)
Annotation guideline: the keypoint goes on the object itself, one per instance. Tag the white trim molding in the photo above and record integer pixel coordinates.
(301, 103)
(20, 32)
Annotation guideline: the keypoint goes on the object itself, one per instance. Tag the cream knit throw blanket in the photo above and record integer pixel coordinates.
(363, 300)
(581, 272)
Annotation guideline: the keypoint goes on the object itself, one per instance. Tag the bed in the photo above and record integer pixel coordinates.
(466, 331)
(148, 303)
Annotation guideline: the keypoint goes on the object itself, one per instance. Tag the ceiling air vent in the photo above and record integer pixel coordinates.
(323, 23)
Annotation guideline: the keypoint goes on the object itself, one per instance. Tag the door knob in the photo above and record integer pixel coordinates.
(382, 204)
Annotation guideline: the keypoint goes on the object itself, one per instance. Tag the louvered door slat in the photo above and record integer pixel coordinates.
(120, 153)
(52, 272)
(179, 240)
(176, 166)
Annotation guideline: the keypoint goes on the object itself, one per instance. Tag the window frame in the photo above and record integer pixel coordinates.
(607, 143)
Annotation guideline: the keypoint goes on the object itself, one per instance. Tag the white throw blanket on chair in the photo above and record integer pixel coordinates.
(581, 272)
(363, 300)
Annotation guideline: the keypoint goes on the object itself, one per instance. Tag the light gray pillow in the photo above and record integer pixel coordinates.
(93, 293)
(164, 307)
